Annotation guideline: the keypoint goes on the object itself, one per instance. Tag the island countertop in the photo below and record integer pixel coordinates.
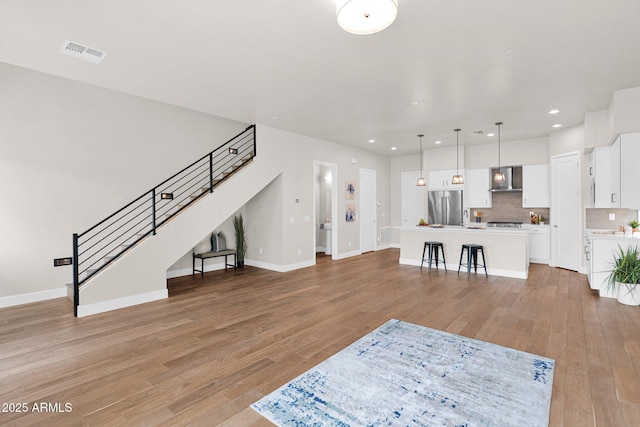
(506, 249)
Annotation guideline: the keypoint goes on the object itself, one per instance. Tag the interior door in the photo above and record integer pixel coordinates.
(412, 199)
(367, 210)
(566, 216)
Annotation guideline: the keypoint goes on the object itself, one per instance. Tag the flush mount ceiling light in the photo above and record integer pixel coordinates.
(457, 178)
(366, 16)
(421, 181)
(499, 175)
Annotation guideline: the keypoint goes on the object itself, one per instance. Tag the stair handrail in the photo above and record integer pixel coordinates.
(211, 169)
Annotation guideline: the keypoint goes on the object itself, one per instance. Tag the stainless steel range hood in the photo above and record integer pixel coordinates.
(512, 182)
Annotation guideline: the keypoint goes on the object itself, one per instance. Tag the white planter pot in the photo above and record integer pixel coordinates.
(628, 294)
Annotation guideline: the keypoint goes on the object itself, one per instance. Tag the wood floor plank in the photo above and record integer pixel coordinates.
(221, 342)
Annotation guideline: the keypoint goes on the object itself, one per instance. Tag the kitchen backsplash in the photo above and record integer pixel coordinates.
(599, 218)
(508, 207)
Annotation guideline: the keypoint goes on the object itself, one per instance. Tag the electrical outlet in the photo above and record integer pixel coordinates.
(299, 252)
(612, 217)
(260, 250)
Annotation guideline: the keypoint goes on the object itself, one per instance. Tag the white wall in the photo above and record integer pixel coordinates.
(566, 140)
(625, 112)
(71, 154)
(297, 219)
(596, 129)
(520, 152)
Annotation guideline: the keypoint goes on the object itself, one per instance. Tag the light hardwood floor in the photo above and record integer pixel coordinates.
(221, 342)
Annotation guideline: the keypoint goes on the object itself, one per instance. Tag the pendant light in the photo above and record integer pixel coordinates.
(457, 178)
(421, 181)
(366, 16)
(499, 175)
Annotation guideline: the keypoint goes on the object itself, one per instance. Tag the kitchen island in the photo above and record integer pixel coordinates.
(506, 250)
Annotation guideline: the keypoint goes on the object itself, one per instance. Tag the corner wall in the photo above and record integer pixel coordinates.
(70, 155)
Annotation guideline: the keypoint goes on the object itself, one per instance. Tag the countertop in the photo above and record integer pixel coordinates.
(465, 229)
(610, 235)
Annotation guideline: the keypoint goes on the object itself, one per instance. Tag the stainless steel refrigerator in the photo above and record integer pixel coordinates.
(445, 207)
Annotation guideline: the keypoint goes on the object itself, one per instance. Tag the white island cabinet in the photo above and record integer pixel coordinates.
(506, 250)
(477, 183)
(539, 244)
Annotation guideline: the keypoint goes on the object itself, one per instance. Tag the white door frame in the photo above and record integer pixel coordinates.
(371, 206)
(334, 206)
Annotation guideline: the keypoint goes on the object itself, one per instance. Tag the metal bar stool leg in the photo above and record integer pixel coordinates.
(444, 259)
(484, 263)
(460, 262)
(431, 247)
(424, 249)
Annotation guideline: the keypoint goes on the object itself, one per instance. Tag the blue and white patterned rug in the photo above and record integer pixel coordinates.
(408, 375)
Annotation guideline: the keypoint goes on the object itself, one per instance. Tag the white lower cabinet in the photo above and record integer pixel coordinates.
(604, 250)
(539, 245)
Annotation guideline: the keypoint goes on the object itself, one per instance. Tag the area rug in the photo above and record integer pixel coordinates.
(403, 374)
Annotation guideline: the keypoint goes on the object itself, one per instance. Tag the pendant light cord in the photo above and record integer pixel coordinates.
(499, 164)
(457, 131)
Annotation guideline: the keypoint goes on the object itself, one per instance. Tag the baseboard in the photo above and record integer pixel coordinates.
(280, 268)
(490, 271)
(383, 247)
(172, 274)
(539, 261)
(347, 255)
(114, 304)
(32, 297)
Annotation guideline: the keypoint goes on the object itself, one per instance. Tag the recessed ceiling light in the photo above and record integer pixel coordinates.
(275, 118)
(394, 148)
(509, 51)
(437, 142)
(371, 141)
(554, 111)
(415, 102)
(491, 134)
(557, 125)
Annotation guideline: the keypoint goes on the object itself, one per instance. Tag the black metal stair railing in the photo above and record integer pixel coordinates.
(102, 244)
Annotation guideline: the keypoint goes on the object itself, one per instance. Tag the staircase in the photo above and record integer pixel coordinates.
(117, 235)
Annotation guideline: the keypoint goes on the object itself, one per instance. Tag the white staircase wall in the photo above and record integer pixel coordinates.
(140, 275)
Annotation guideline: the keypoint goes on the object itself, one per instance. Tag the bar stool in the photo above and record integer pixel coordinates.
(472, 255)
(433, 247)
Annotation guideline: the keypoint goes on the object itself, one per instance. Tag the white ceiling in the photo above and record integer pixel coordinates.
(255, 60)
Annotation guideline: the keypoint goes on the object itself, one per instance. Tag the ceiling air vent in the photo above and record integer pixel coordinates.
(82, 52)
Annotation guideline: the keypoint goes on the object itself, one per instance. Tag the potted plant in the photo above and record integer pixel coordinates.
(241, 240)
(634, 224)
(625, 276)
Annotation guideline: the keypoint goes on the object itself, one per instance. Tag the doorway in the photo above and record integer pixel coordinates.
(325, 207)
(367, 210)
(566, 214)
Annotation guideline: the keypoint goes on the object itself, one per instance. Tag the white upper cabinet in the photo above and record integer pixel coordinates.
(477, 183)
(615, 174)
(441, 180)
(601, 170)
(535, 186)
(630, 171)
